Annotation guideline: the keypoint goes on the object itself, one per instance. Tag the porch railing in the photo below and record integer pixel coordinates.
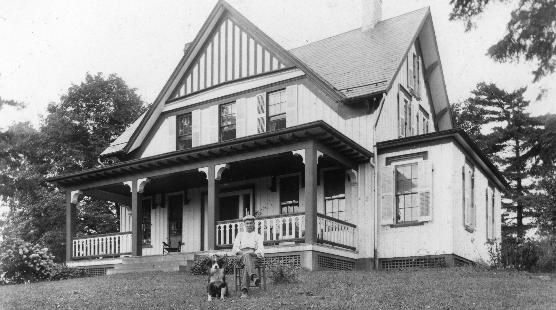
(290, 227)
(277, 228)
(335, 232)
(102, 245)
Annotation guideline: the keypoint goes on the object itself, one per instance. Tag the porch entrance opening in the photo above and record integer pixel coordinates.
(175, 218)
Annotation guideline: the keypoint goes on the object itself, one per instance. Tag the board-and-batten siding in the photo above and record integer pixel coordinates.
(388, 123)
(229, 54)
(159, 231)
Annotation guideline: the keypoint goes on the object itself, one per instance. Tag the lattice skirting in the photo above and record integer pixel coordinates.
(94, 271)
(289, 260)
(433, 261)
(331, 263)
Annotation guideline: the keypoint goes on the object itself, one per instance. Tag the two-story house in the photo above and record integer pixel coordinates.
(343, 149)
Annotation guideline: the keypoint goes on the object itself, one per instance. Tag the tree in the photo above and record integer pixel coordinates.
(13, 103)
(71, 136)
(531, 32)
(508, 143)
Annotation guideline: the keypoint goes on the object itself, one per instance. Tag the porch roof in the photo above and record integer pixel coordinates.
(318, 131)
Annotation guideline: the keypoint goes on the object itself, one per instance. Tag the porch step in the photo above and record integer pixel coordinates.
(173, 262)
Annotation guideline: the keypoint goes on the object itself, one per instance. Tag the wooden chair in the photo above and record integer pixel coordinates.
(166, 248)
(261, 272)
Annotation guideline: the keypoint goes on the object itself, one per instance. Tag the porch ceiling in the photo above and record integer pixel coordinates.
(318, 131)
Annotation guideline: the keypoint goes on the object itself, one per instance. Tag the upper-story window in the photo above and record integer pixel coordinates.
(277, 110)
(184, 126)
(227, 121)
(405, 112)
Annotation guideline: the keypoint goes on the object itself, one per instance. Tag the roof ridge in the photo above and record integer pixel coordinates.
(355, 29)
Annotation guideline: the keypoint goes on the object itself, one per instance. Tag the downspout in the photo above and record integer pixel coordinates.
(375, 155)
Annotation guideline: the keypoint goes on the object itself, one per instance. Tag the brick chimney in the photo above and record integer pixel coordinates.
(372, 13)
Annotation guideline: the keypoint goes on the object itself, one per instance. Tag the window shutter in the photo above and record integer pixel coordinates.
(488, 215)
(464, 202)
(387, 194)
(213, 123)
(261, 113)
(473, 204)
(291, 110)
(196, 128)
(425, 191)
(401, 118)
(241, 119)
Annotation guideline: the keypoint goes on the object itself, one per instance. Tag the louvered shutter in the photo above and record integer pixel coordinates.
(291, 110)
(387, 182)
(261, 113)
(401, 118)
(241, 119)
(196, 127)
(425, 190)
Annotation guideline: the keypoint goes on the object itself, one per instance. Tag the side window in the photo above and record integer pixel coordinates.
(146, 222)
(468, 196)
(404, 118)
(277, 110)
(407, 193)
(227, 124)
(289, 195)
(335, 194)
(183, 127)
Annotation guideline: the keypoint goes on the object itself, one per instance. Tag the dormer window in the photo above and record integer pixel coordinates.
(228, 121)
(277, 110)
(184, 126)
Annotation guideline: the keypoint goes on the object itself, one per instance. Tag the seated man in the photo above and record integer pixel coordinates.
(248, 246)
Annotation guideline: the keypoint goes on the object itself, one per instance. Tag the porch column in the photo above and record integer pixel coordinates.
(72, 197)
(137, 187)
(311, 159)
(212, 208)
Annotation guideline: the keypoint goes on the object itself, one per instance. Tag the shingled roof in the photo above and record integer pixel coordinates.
(358, 63)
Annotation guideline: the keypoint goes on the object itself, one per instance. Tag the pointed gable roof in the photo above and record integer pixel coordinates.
(360, 63)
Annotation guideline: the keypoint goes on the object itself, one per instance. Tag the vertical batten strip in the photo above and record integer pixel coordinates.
(233, 50)
(208, 67)
(241, 53)
(248, 39)
(263, 52)
(237, 55)
(226, 52)
(222, 53)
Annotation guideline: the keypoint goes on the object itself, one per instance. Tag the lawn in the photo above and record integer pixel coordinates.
(455, 288)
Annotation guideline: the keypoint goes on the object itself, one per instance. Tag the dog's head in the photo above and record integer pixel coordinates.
(216, 262)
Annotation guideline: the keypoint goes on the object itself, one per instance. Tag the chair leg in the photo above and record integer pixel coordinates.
(264, 278)
(235, 277)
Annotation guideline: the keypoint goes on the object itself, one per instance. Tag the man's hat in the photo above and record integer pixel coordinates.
(248, 217)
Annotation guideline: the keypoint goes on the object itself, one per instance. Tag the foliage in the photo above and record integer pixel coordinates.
(201, 265)
(72, 135)
(63, 272)
(529, 254)
(531, 32)
(10, 102)
(512, 142)
(23, 262)
(283, 273)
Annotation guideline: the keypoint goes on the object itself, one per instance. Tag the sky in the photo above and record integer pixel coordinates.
(46, 46)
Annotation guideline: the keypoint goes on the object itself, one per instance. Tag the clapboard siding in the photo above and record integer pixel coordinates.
(230, 54)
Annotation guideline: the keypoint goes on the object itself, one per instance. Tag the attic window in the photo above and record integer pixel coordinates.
(227, 121)
(277, 110)
(183, 127)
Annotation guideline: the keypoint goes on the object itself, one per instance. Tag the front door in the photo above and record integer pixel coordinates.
(175, 218)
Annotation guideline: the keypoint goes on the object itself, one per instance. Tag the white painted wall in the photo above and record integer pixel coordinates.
(164, 139)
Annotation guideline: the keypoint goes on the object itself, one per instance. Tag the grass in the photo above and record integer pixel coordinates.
(453, 288)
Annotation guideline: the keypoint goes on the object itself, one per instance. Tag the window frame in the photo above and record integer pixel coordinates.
(220, 126)
(178, 136)
(149, 223)
(297, 208)
(470, 223)
(415, 191)
(340, 196)
(268, 116)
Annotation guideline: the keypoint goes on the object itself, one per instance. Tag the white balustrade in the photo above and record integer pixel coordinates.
(335, 232)
(102, 245)
(272, 228)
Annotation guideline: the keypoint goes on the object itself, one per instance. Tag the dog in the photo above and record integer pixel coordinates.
(217, 285)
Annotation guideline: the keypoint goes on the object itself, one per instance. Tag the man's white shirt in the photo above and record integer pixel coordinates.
(246, 240)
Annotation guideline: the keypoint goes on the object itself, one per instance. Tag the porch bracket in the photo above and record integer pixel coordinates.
(219, 169)
(204, 170)
(300, 153)
(141, 184)
(352, 176)
(75, 196)
(128, 184)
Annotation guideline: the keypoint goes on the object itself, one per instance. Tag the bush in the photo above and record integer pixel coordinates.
(283, 273)
(529, 254)
(21, 262)
(63, 272)
(201, 265)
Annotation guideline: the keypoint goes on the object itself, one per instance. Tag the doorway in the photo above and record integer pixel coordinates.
(175, 219)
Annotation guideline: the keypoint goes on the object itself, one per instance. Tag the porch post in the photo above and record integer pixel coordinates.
(212, 210)
(71, 202)
(136, 220)
(311, 194)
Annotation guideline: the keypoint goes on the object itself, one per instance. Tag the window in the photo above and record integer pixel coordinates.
(183, 127)
(289, 195)
(227, 121)
(407, 194)
(416, 75)
(146, 222)
(423, 116)
(335, 194)
(489, 206)
(468, 188)
(277, 110)
(404, 114)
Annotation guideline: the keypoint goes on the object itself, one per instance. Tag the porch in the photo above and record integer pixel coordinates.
(195, 198)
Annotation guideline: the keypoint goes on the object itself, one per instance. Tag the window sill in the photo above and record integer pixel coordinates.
(407, 224)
